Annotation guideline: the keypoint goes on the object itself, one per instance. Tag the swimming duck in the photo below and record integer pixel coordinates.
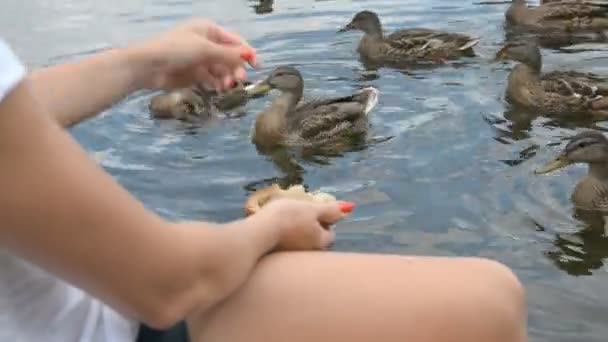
(564, 15)
(316, 123)
(556, 92)
(407, 45)
(588, 1)
(590, 147)
(263, 6)
(196, 102)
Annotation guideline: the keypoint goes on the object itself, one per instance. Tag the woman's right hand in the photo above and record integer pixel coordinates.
(302, 225)
(197, 51)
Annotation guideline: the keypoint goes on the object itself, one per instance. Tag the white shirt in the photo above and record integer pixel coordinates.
(35, 305)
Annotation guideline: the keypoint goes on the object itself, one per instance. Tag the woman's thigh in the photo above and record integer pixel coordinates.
(323, 296)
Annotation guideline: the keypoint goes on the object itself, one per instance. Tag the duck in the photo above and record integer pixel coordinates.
(563, 15)
(197, 102)
(588, 147)
(565, 1)
(555, 92)
(412, 45)
(263, 6)
(319, 123)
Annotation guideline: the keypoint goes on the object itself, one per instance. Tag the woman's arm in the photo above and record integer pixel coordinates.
(76, 91)
(197, 51)
(61, 211)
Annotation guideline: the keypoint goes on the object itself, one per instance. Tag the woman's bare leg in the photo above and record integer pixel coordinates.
(318, 297)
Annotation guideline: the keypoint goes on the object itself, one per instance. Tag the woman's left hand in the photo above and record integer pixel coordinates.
(198, 51)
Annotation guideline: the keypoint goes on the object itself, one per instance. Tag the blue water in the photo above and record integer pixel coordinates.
(456, 179)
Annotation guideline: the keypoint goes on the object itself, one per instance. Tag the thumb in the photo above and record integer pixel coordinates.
(330, 213)
(328, 237)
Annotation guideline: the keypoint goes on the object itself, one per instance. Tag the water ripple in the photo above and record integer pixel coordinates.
(456, 179)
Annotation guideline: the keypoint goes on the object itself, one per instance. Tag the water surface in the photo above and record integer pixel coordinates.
(456, 178)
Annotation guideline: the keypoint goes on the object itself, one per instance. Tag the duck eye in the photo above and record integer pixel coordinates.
(584, 144)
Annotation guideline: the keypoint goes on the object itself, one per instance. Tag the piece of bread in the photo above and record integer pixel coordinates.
(263, 196)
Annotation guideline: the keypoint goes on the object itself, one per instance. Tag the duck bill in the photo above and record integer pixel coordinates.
(258, 88)
(348, 27)
(556, 164)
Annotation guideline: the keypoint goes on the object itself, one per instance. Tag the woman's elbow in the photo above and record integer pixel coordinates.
(166, 311)
(161, 316)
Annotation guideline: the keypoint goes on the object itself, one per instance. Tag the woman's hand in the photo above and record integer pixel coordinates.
(195, 52)
(302, 225)
(198, 51)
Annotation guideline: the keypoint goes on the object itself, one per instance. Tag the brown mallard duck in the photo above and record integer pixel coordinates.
(564, 15)
(196, 102)
(556, 92)
(411, 45)
(263, 6)
(589, 147)
(315, 123)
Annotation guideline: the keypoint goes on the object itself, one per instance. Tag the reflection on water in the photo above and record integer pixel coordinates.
(582, 252)
(454, 176)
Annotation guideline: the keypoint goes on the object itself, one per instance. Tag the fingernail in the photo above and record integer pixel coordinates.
(346, 207)
(248, 55)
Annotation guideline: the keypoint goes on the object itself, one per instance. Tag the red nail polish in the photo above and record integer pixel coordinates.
(248, 55)
(346, 207)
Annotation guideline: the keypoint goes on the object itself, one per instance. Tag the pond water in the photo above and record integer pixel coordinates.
(455, 179)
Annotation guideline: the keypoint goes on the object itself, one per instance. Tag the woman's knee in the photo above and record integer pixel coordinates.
(500, 275)
(471, 298)
(504, 303)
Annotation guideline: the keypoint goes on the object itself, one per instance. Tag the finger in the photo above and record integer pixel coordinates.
(329, 213)
(240, 74)
(203, 75)
(328, 238)
(200, 26)
(222, 36)
(257, 62)
(233, 56)
(225, 55)
(223, 74)
(250, 56)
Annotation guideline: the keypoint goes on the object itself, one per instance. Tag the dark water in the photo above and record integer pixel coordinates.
(456, 179)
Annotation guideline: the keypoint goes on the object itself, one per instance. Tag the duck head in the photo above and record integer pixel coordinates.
(177, 103)
(284, 78)
(366, 21)
(524, 52)
(590, 147)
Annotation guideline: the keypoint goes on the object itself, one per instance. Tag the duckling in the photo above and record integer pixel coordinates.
(590, 147)
(407, 45)
(553, 93)
(196, 102)
(315, 123)
(564, 15)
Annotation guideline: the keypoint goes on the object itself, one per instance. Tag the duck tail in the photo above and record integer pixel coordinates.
(369, 97)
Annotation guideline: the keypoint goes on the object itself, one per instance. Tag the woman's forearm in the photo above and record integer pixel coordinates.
(68, 216)
(75, 91)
